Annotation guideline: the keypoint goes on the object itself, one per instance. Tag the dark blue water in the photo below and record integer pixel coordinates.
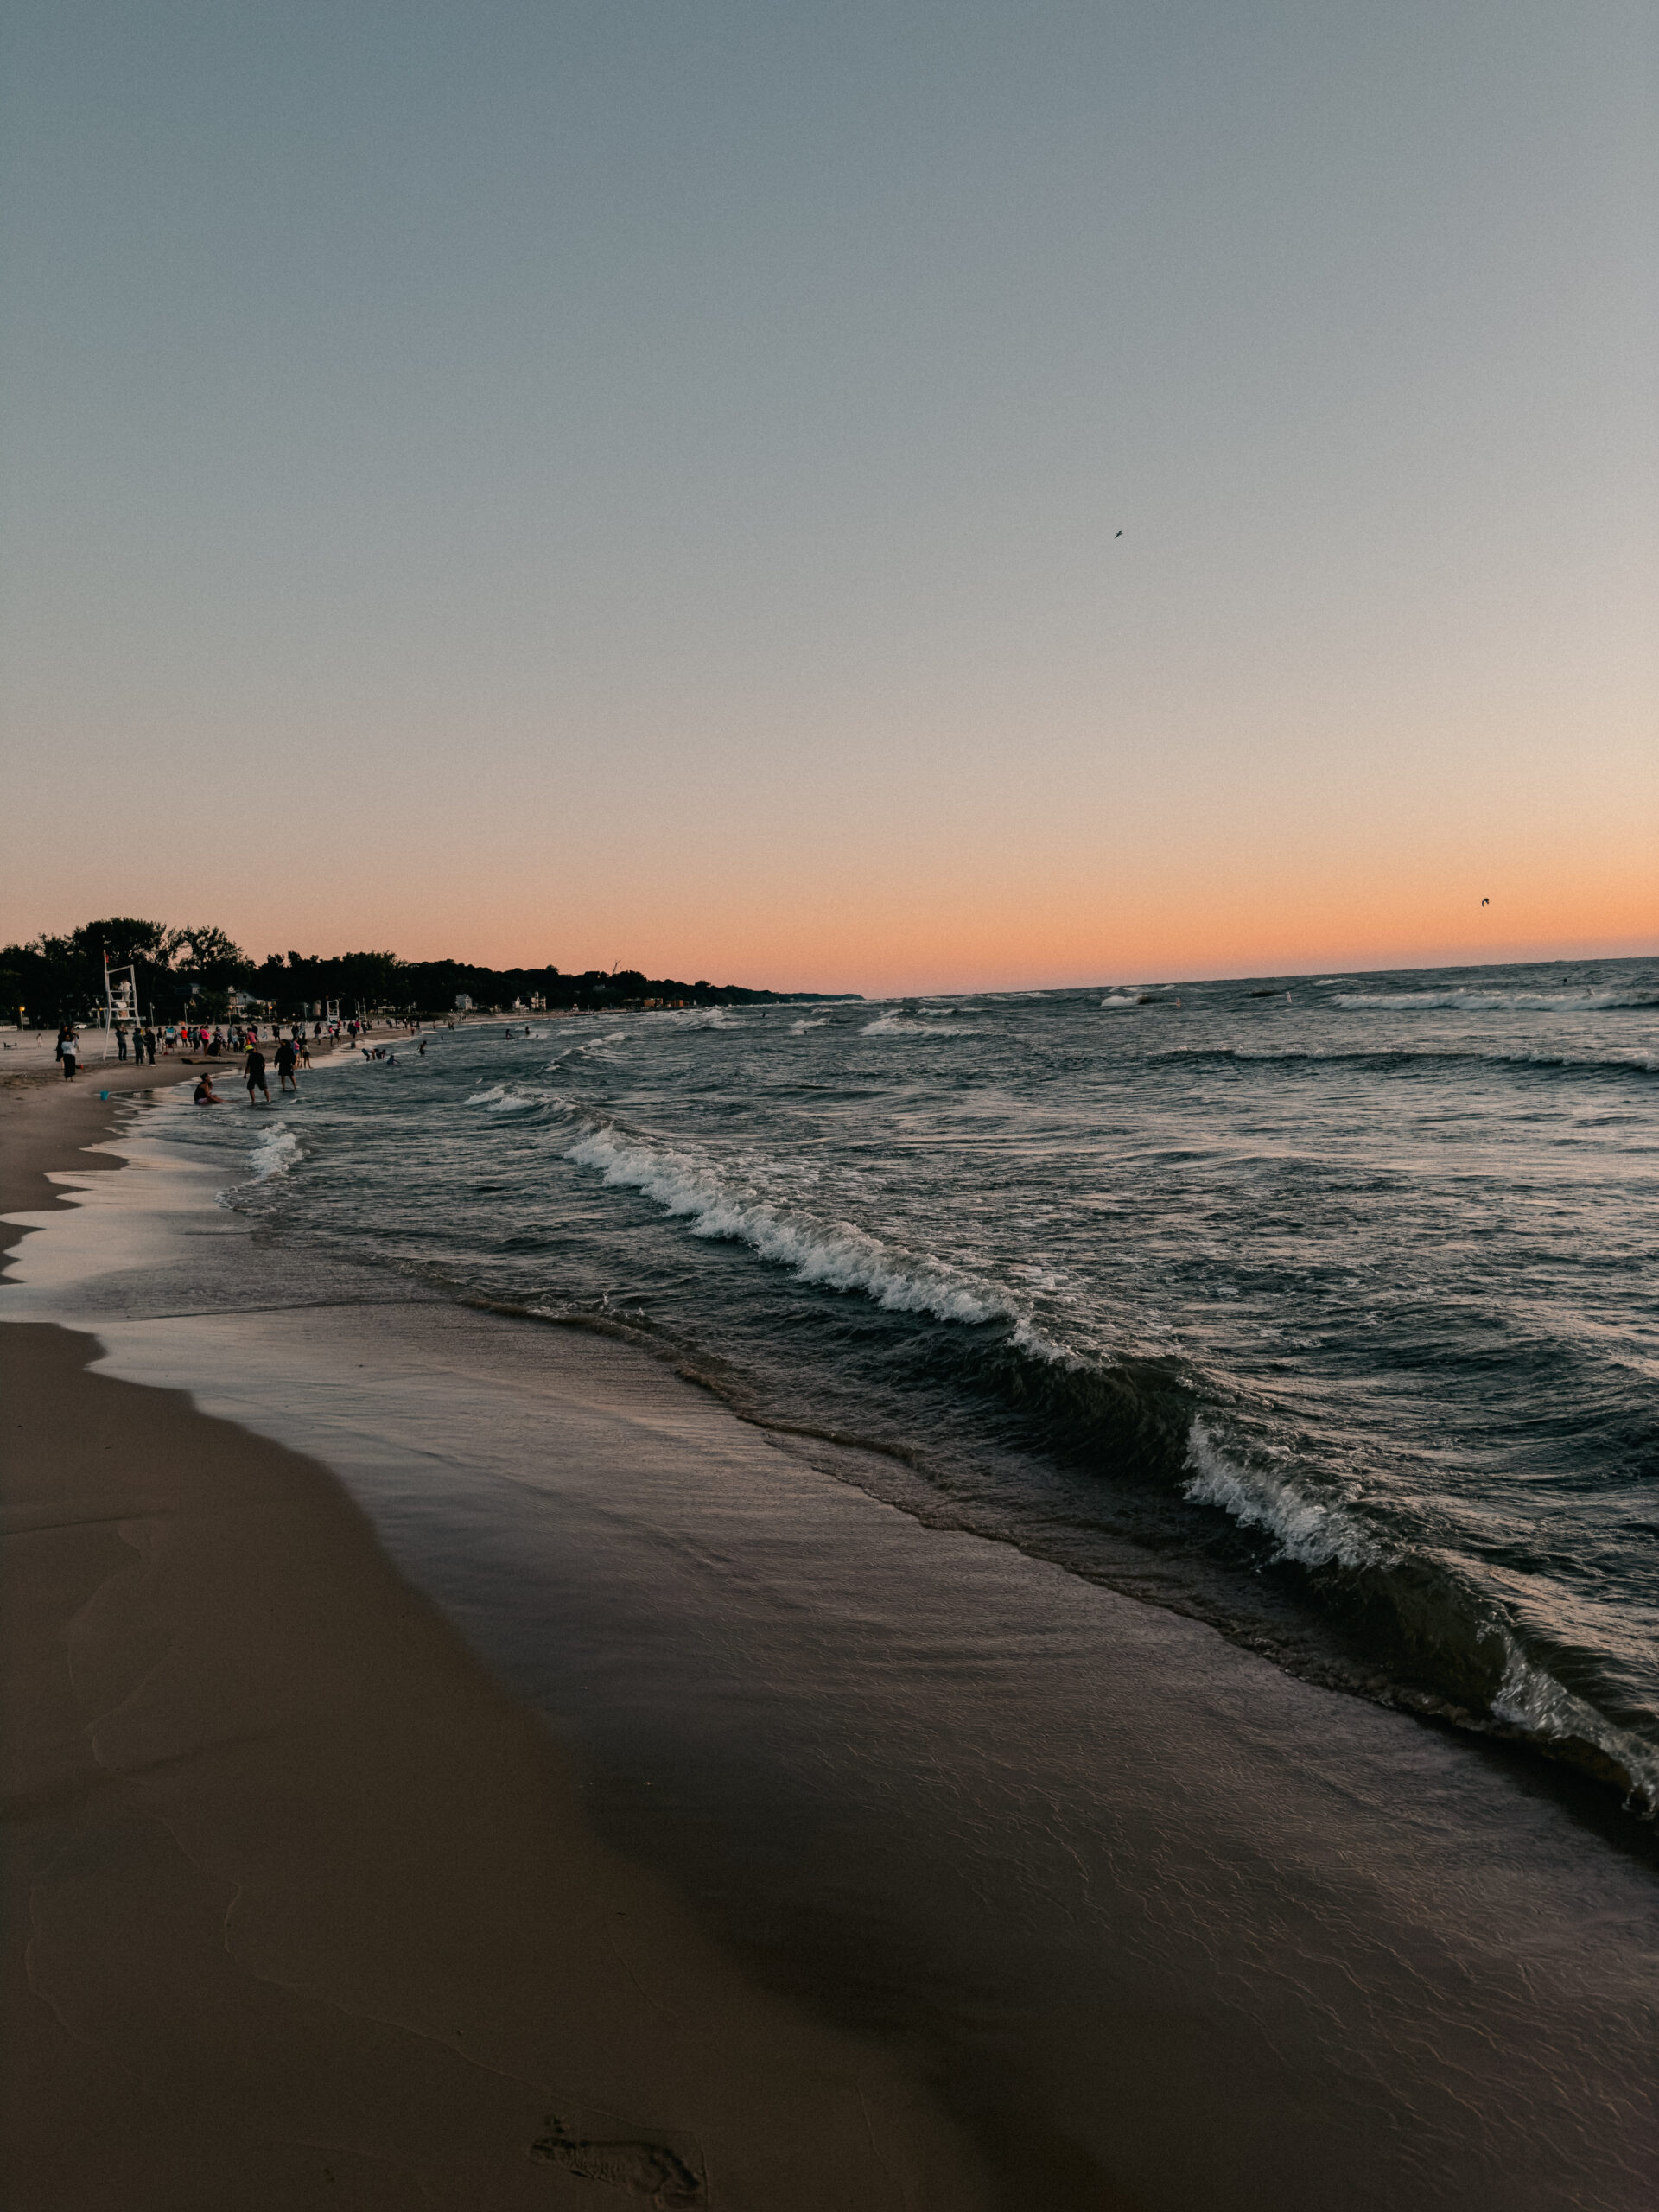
(1321, 1308)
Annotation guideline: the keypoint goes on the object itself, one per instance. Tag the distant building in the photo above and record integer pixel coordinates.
(463, 1004)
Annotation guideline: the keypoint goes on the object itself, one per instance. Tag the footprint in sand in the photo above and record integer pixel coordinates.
(648, 2169)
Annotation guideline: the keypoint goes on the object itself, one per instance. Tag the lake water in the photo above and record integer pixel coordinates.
(1321, 1309)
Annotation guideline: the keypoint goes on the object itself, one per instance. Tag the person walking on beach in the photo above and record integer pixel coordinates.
(147, 1041)
(286, 1057)
(120, 1040)
(68, 1050)
(253, 1074)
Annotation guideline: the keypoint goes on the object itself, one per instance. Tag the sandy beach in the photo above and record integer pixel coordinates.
(546, 1787)
(301, 1908)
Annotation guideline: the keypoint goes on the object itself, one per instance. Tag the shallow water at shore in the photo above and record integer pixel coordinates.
(1169, 1926)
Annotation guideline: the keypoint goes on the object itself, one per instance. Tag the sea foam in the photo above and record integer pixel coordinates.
(512, 1098)
(1314, 1532)
(1565, 1000)
(838, 1255)
(275, 1153)
(912, 1025)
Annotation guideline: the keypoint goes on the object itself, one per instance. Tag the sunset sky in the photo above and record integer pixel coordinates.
(641, 482)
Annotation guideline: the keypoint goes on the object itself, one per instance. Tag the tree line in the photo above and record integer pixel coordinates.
(189, 972)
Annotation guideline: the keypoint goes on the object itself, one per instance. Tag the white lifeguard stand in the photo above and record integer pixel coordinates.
(120, 1000)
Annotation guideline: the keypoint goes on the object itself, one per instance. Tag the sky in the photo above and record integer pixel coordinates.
(643, 481)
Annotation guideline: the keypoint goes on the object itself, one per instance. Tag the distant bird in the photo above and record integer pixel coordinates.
(1485, 902)
(1120, 533)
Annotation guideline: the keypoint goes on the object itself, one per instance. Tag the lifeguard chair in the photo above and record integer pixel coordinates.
(120, 1000)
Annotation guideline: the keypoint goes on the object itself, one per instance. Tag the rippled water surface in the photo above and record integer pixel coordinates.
(1321, 1308)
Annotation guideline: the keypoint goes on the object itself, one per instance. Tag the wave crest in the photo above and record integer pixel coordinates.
(277, 1150)
(1312, 1531)
(1447, 1644)
(838, 1256)
(511, 1098)
(911, 1025)
(1475, 1000)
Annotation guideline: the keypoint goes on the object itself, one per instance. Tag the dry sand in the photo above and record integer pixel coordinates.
(300, 1908)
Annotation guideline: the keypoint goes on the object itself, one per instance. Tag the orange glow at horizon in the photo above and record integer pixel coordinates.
(941, 937)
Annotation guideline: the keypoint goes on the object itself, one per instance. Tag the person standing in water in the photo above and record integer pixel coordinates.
(286, 1057)
(253, 1074)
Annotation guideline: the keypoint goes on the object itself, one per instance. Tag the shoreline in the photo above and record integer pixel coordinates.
(1159, 1924)
(302, 1906)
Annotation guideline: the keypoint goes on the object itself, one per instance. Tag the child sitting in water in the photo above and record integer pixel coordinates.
(204, 1095)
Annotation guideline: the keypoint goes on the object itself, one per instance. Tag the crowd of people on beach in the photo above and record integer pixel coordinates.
(140, 1041)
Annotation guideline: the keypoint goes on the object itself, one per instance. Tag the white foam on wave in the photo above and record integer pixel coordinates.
(911, 1025)
(1632, 1062)
(837, 1255)
(1318, 1533)
(589, 1045)
(800, 1028)
(1531, 1699)
(510, 1098)
(692, 1017)
(1487, 1001)
(1120, 1001)
(1314, 1532)
(275, 1153)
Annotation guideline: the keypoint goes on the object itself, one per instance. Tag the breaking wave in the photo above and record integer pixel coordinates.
(836, 1255)
(691, 1017)
(1475, 1000)
(1447, 1644)
(1313, 1533)
(917, 1025)
(275, 1153)
(589, 1045)
(511, 1098)
(1633, 1062)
